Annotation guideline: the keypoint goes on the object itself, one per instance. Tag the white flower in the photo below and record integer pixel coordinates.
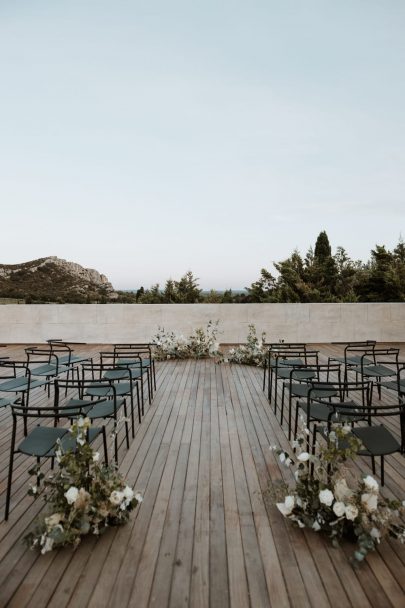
(128, 493)
(339, 509)
(346, 429)
(303, 457)
(96, 456)
(138, 497)
(47, 545)
(371, 483)
(316, 526)
(375, 533)
(326, 497)
(34, 490)
(282, 457)
(288, 462)
(116, 497)
(332, 436)
(71, 495)
(80, 422)
(370, 501)
(287, 506)
(351, 512)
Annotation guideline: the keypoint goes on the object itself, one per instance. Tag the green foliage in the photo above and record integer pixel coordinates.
(324, 501)
(83, 496)
(324, 277)
(254, 352)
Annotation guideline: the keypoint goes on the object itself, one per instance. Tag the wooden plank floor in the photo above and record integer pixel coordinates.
(204, 535)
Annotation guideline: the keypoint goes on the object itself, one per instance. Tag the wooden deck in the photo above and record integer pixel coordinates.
(204, 535)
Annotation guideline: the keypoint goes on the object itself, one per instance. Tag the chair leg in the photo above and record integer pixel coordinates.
(282, 405)
(132, 411)
(10, 473)
(105, 446)
(382, 470)
(373, 464)
(126, 423)
(154, 374)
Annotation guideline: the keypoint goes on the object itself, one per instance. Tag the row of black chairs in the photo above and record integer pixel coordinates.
(340, 390)
(99, 391)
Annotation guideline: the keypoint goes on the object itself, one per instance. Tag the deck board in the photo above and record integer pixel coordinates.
(205, 535)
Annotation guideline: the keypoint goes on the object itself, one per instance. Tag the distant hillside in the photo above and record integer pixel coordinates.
(54, 280)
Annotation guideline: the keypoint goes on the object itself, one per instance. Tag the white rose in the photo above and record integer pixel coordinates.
(303, 457)
(71, 495)
(96, 456)
(351, 512)
(138, 497)
(316, 526)
(116, 497)
(371, 483)
(370, 501)
(375, 533)
(282, 457)
(287, 506)
(326, 497)
(128, 493)
(339, 509)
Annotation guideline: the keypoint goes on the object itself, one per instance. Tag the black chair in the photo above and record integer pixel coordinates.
(17, 378)
(385, 364)
(397, 385)
(274, 348)
(352, 404)
(134, 362)
(44, 362)
(102, 402)
(353, 354)
(301, 380)
(144, 350)
(281, 364)
(66, 354)
(42, 440)
(377, 440)
(123, 380)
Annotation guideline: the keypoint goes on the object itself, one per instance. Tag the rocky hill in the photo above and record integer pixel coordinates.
(54, 280)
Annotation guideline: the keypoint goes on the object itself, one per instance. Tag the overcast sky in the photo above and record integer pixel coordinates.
(147, 138)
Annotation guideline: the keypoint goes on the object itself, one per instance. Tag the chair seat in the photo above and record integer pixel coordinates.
(68, 442)
(379, 371)
(65, 360)
(302, 390)
(49, 370)
(4, 402)
(377, 440)
(116, 374)
(121, 388)
(393, 385)
(41, 441)
(103, 409)
(20, 384)
(321, 411)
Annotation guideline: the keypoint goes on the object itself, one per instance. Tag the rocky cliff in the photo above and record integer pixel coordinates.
(52, 279)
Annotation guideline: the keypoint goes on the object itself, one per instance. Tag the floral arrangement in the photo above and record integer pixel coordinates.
(84, 496)
(324, 501)
(201, 344)
(254, 352)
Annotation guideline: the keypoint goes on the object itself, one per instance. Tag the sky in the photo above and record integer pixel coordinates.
(149, 138)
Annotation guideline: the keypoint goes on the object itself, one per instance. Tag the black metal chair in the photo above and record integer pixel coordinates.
(273, 349)
(44, 362)
(280, 366)
(377, 439)
(123, 380)
(353, 354)
(144, 350)
(301, 380)
(385, 364)
(42, 440)
(102, 402)
(353, 403)
(17, 378)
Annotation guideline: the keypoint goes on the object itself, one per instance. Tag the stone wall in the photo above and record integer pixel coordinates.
(109, 323)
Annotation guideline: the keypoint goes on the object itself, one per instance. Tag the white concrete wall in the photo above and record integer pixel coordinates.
(109, 323)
